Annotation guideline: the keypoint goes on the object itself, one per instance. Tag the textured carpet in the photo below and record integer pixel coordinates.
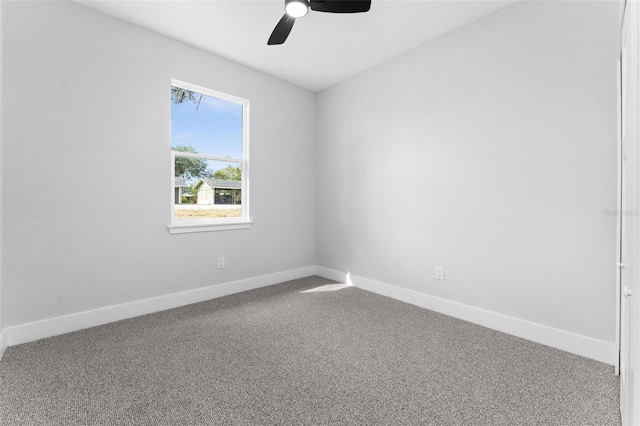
(278, 356)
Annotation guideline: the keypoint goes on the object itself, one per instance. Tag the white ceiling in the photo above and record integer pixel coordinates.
(322, 49)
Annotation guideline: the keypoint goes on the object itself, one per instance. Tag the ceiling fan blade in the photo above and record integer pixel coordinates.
(282, 30)
(340, 6)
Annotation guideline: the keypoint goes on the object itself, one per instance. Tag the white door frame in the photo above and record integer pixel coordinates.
(629, 290)
(618, 204)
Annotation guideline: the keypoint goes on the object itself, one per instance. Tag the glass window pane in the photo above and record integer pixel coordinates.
(205, 124)
(207, 189)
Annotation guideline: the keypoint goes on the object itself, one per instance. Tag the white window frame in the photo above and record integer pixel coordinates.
(214, 224)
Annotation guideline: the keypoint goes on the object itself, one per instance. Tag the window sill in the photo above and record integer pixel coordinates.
(185, 228)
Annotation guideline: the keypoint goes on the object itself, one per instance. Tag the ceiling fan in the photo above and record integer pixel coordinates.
(299, 8)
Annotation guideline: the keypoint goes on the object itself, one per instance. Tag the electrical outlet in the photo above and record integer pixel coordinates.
(220, 262)
(440, 272)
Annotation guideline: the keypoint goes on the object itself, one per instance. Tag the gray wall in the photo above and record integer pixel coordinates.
(490, 151)
(86, 157)
(2, 344)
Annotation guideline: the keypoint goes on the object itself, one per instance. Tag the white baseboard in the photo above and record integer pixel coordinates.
(29, 332)
(330, 274)
(559, 339)
(569, 342)
(3, 343)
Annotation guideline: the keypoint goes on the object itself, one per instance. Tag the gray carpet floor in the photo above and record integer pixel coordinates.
(278, 356)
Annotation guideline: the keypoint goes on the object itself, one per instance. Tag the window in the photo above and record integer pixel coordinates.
(209, 160)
